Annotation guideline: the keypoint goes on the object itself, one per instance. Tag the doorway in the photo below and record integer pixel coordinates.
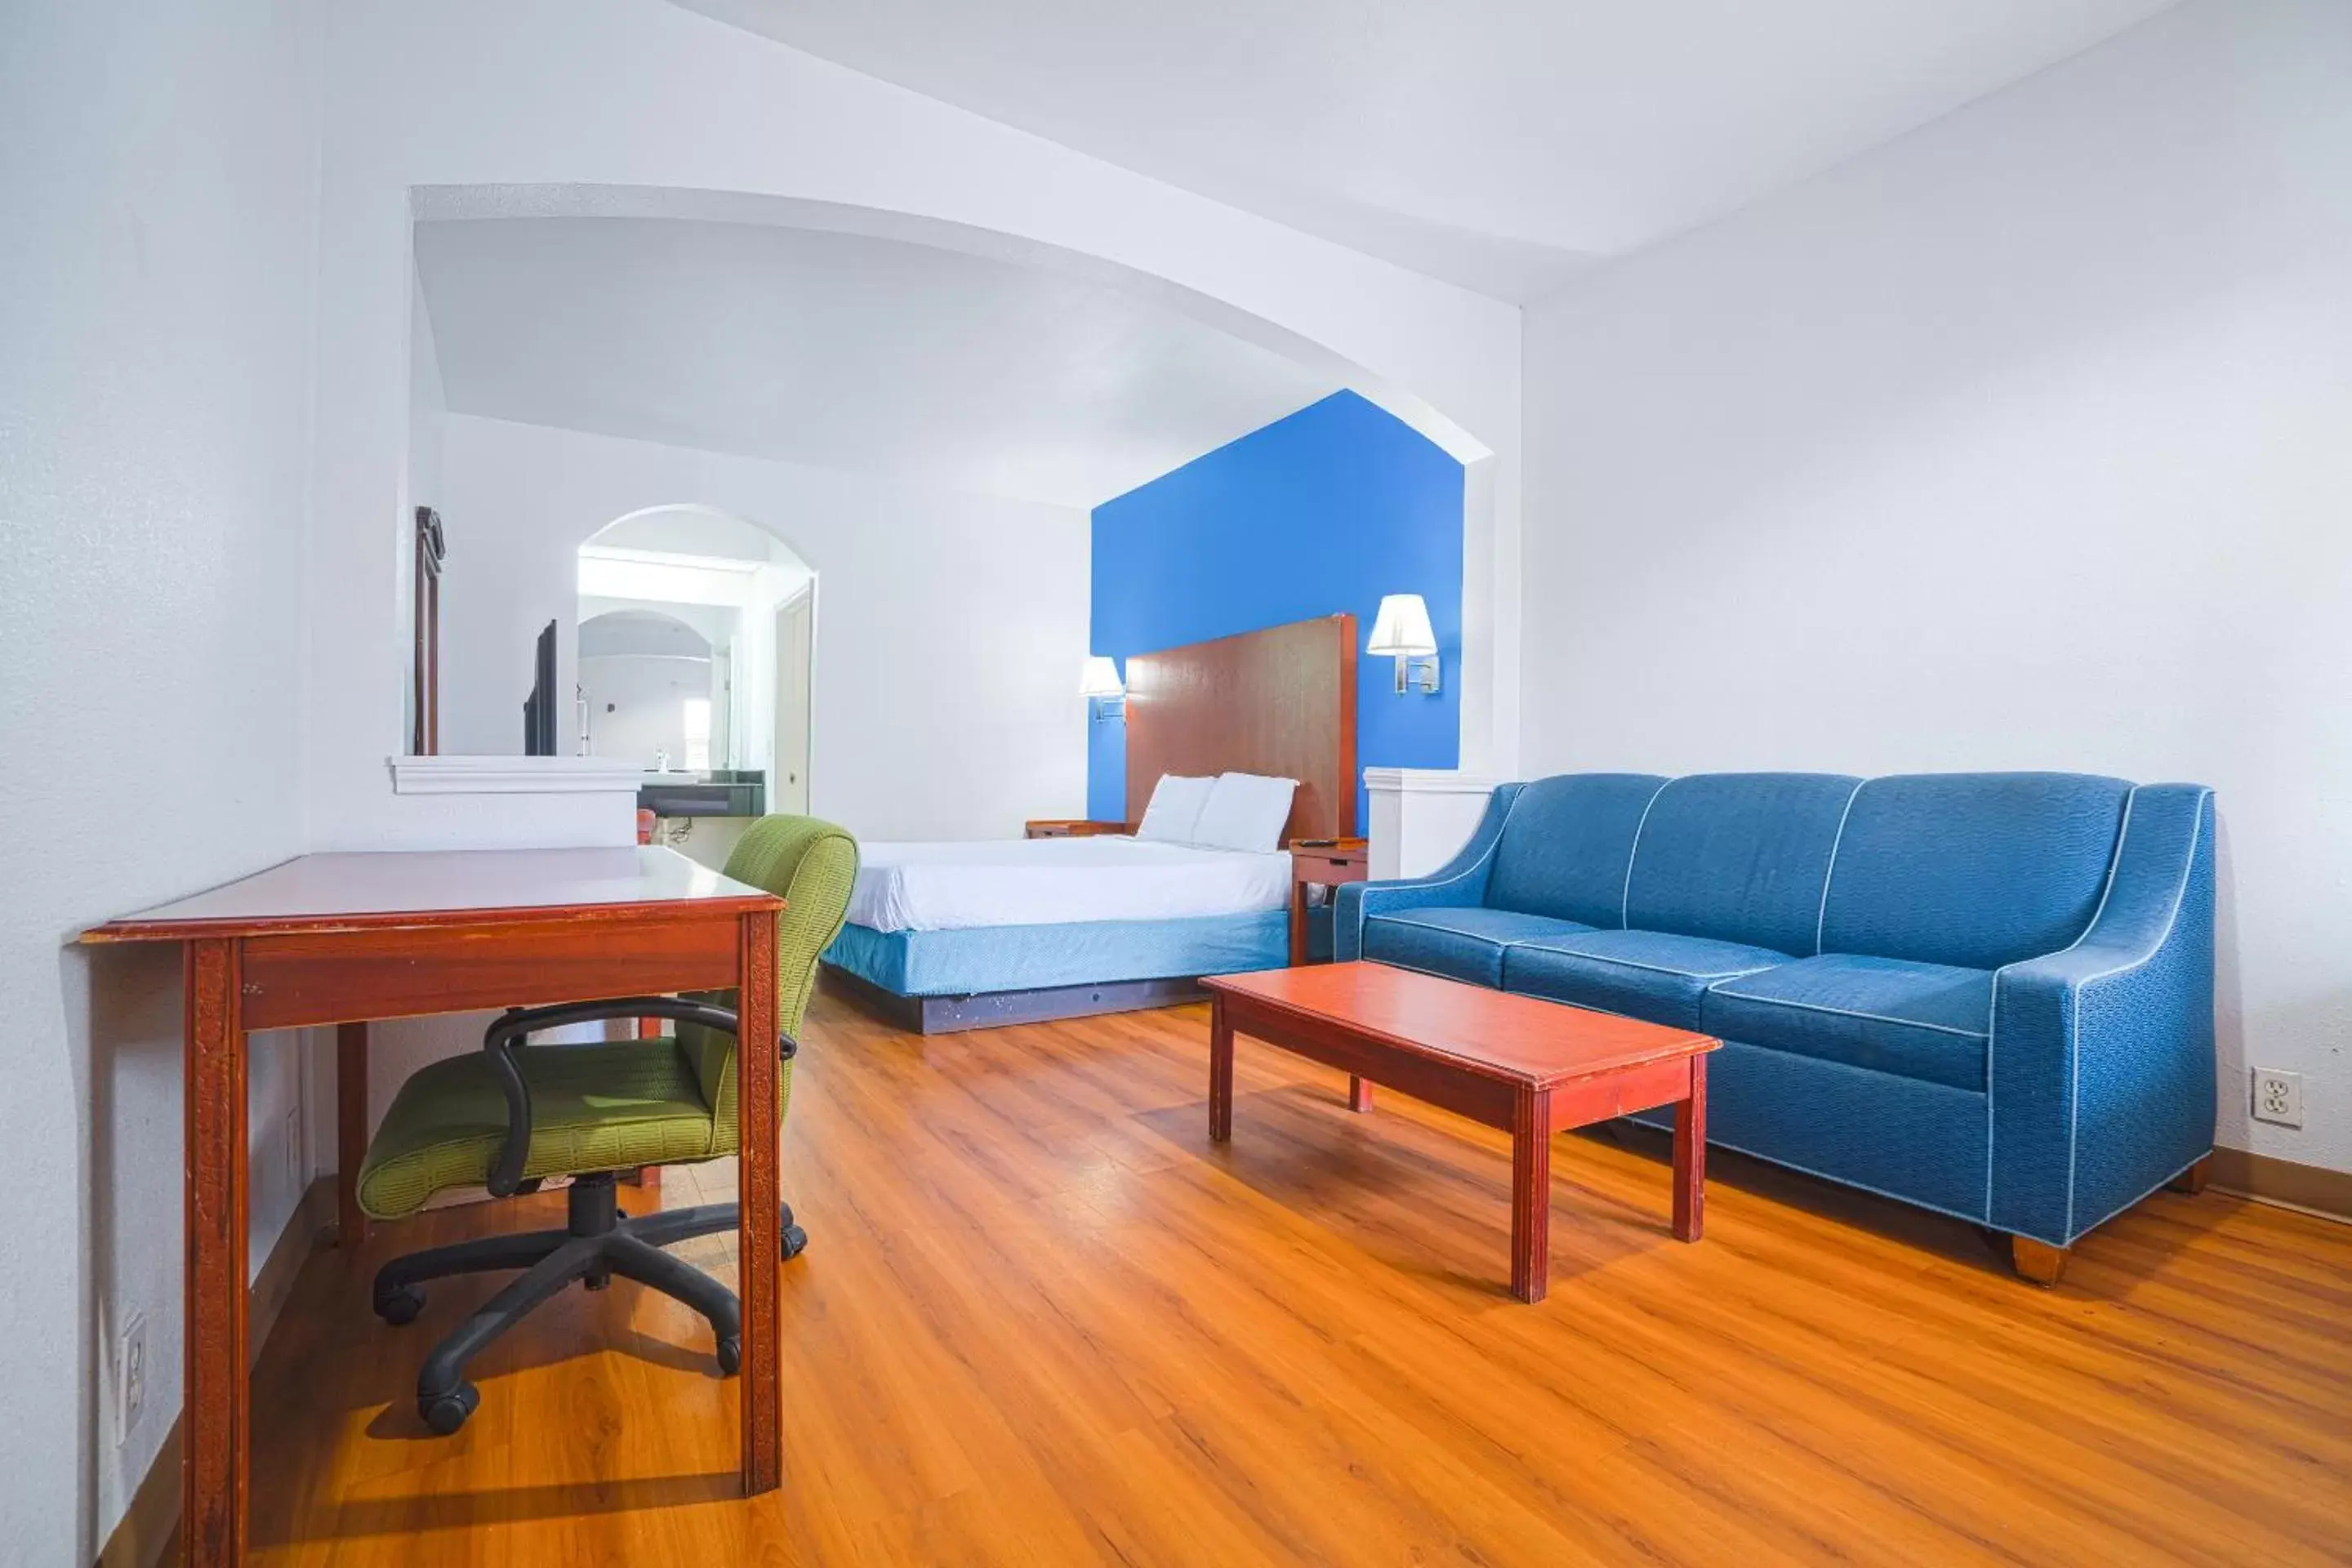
(794, 632)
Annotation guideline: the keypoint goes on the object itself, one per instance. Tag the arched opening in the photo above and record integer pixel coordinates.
(1453, 412)
(696, 655)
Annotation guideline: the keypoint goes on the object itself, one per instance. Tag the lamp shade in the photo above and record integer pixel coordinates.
(1100, 678)
(1403, 628)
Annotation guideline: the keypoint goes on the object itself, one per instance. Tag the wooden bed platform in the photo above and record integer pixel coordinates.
(992, 1009)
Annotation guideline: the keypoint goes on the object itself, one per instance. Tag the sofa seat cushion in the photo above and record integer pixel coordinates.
(1458, 944)
(1927, 1021)
(1653, 975)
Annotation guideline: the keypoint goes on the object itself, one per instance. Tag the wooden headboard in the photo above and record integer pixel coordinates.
(1280, 702)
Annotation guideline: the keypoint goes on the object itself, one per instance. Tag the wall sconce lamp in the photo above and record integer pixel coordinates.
(1402, 630)
(1098, 681)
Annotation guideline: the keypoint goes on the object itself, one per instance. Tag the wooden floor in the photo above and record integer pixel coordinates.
(1041, 1320)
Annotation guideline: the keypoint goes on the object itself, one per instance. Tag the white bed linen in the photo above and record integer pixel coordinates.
(1048, 882)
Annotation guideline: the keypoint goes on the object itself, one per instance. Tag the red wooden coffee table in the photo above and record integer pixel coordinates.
(1526, 1065)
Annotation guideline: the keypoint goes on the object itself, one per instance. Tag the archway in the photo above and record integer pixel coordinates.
(695, 651)
(1465, 409)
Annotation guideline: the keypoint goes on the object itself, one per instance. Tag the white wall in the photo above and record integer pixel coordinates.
(159, 162)
(950, 628)
(585, 92)
(2023, 442)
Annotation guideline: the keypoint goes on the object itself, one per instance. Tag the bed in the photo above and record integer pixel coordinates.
(957, 936)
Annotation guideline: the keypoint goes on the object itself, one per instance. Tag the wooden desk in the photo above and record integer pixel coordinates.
(342, 939)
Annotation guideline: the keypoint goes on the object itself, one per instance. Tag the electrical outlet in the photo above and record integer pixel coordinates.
(130, 1378)
(2278, 1096)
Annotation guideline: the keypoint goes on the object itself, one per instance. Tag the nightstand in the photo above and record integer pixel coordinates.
(1321, 866)
(1326, 865)
(1069, 827)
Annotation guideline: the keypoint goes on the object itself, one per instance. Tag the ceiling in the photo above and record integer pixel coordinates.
(843, 350)
(1501, 144)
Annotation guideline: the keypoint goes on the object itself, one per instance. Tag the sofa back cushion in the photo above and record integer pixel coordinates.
(1565, 845)
(1738, 857)
(1972, 869)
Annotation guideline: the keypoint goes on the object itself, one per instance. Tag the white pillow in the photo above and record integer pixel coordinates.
(1175, 807)
(1244, 811)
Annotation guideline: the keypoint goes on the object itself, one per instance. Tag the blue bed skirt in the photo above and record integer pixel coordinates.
(1085, 953)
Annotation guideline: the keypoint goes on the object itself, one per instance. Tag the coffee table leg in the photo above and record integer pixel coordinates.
(1531, 1194)
(1221, 1072)
(1690, 1157)
(1360, 1094)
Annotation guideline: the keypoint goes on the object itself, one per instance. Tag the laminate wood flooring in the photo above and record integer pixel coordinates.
(1043, 1319)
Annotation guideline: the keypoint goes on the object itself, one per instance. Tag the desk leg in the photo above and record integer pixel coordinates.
(1298, 925)
(760, 1238)
(1220, 1071)
(1531, 1194)
(212, 1467)
(1360, 1094)
(350, 1131)
(1690, 1157)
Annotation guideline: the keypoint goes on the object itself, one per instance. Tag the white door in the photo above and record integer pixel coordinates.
(788, 783)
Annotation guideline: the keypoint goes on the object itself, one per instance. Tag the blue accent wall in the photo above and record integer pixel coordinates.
(1317, 514)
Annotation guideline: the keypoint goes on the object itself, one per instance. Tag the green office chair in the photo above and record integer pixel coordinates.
(514, 1114)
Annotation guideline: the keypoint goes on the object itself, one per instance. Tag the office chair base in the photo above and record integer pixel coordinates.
(444, 1412)
(597, 1243)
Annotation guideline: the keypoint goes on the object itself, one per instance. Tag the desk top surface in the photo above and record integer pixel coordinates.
(1489, 1033)
(443, 887)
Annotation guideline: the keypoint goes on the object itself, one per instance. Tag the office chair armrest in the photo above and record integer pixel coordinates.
(516, 1024)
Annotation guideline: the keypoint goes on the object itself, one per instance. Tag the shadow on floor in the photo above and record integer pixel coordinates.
(460, 1510)
(1298, 1146)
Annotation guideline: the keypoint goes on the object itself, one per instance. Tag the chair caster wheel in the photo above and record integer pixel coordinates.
(795, 1241)
(400, 1307)
(446, 1411)
(731, 1355)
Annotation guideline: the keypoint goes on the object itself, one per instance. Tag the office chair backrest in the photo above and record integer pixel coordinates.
(811, 865)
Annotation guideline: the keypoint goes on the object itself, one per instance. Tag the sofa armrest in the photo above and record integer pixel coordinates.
(2100, 1072)
(1459, 883)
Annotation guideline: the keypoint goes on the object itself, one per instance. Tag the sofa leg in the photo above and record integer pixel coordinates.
(2192, 1180)
(2037, 1260)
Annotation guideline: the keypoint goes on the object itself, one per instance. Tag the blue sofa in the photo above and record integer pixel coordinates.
(1986, 994)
